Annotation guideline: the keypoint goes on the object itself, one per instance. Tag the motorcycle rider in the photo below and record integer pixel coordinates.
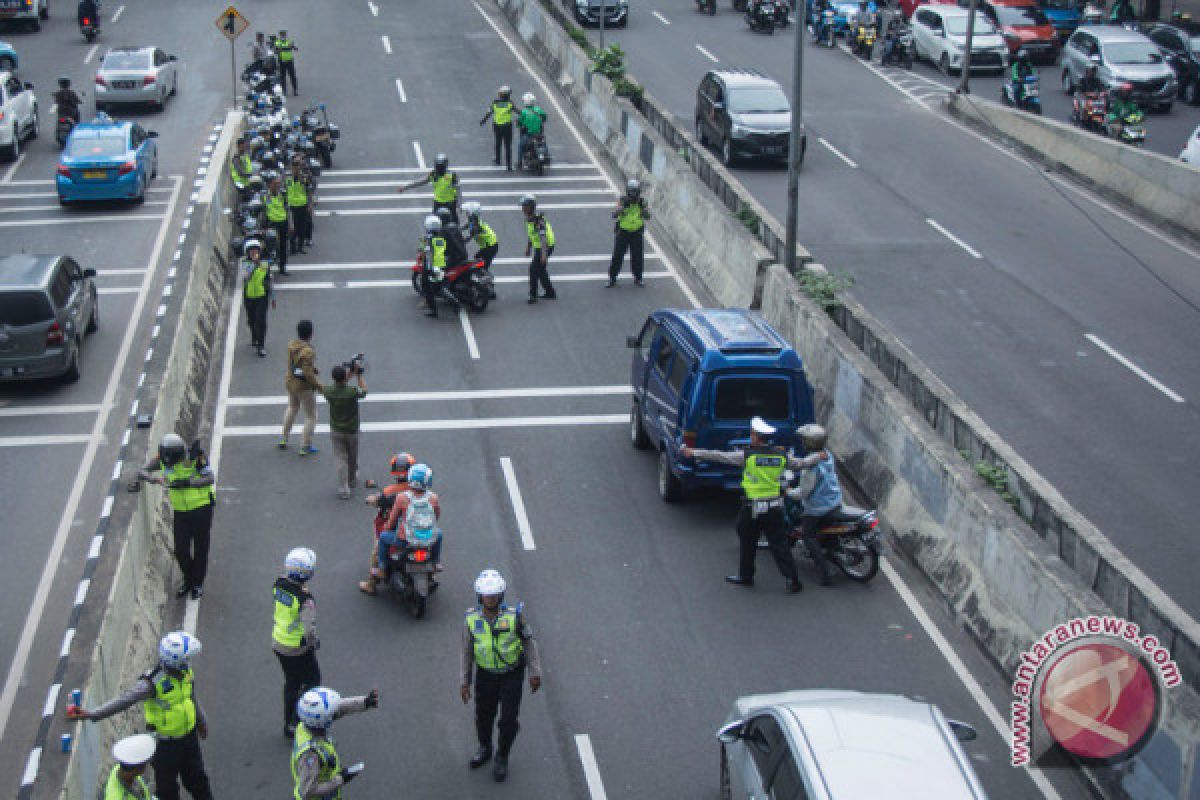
(485, 238)
(531, 122)
(891, 39)
(445, 185)
(867, 20)
(822, 499)
(89, 10)
(432, 276)
(456, 247)
(398, 466)
(501, 113)
(68, 101)
(1120, 106)
(317, 771)
(414, 501)
(818, 17)
(1022, 68)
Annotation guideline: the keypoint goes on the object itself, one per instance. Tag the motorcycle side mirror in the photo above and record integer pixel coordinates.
(151, 134)
(728, 734)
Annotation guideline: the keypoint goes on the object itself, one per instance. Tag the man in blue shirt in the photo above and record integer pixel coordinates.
(823, 498)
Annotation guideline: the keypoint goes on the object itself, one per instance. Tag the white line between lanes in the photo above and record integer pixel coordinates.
(30, 209)
(707, 54)
(400, 91)
(387, 44)
(374, 8)
(462, 182)
(469, 333)
(117, 14)
(391, 426)
(933, 223)
(580, 277)
(348, 266)
(661, 18)
(8, 175)
(350, 198)
(518, 504)
(420, 158)
(16, 669)
(454, 394)
(38, 411)
(1134, 368)
(591, 770)
(424, 209)
(91, 53)
(118, 290)
(849, 162)
(38, 441)
(410, 170)
(71, 220)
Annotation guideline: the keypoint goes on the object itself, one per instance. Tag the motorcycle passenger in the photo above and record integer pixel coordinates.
(1120, 106)
(456, 248)
(445, 185)
(434, 247)
(822, 499)
(415, 508)
(398, 466)
(483, 235)
(501, 114)
(531, 121)
(68, 101)
(1021, 69)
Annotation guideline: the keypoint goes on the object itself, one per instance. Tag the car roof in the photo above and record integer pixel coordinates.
(130, 49)
(910, 748)
(1112, 33)
(25, 271)
(732, 337)
(97, 127)
(738, 76)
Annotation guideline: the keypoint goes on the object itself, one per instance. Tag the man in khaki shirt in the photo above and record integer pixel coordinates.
(302, 387)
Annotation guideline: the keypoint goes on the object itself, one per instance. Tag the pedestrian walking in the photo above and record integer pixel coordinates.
(257, 294)
(630, 216)
(343, 422)
(501, 112)
(294, 632)
(301, 385)
(125, 781)
(445, 185)
(761, 513)
(190, 485)
(277, 218)
(301, 194)
(541, 246)
(317, 771)
(285, 50)
(173, 714)
(498, 642)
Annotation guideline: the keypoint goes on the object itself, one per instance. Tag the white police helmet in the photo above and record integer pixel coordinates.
(134, 751)
(490, 582)
(176, 649)
(528, 99)
(318, 707)
(300, 564)
(433, 224)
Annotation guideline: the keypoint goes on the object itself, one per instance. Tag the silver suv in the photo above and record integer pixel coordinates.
(1121, 56)
(47, 304)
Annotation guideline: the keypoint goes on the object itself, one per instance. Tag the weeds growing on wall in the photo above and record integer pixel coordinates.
(824, 287)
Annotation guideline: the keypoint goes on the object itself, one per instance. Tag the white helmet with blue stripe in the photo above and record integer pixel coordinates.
(300, 564)
(177, 648)
(420, 476)
(318, 707)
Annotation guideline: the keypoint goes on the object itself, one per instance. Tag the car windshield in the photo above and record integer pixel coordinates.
(108, 145)
(124, 60)
(744, 398)
(765, 101)
(1194, 44)
(1132, 53)
(957, 26)
(24, 308)
(1020, 15)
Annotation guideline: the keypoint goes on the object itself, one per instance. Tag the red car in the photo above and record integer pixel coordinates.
(1024, 26)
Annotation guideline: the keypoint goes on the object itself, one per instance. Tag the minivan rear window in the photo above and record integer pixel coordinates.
(24, 308)
(743, 398)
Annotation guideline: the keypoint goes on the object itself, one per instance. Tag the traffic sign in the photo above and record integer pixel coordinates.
(232, 24)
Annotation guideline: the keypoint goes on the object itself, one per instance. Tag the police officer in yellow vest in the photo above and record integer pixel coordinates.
(300, 189)
(125, 782)
(541, 246)
(240, 166)
(257, 293)
(277, 217)
(173, 715)
(485, 238)
(433, 246)
(318, 772)
(445, 186)
(285, 50)
(294, 631)
(498, 642)
(189, 481)
(631, 216)
(761, 514)
(501, 112)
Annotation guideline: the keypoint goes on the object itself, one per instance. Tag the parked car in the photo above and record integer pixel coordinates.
(29, 12)
(1181, 48)
(1121, 56)
(940, 34)
(8, 57)
(742, 112)
(18, 115)
(698, 379)
(1023, 26)
(587, 12)
(136, 75)
(47, 305)
(1064, 15)
(1191, 151)
(107, 160)
(843, 745)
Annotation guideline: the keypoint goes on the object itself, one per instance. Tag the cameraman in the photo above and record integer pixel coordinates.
(343, 420)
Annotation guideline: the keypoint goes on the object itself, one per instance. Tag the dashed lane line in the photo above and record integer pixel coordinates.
(91, 53)
(117, 14)
(420, 164)
(593, 277)
(937, 226)
(387, 44)
(707, 55)
(374, 9)
(518, 503)
(849, 162)
(400, 91)
(469, 424)
(591, 770)
(1134, 368)
(468, 333)
(661, 18)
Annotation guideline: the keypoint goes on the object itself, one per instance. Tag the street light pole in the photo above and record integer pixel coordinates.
(963, 87)
(603, 9)
(795, 147)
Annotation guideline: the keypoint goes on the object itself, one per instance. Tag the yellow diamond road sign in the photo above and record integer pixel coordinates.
(232, 24)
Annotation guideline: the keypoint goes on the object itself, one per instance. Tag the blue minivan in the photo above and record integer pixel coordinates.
(699, 377)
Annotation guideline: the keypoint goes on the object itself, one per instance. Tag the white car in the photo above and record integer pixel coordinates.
(31, 12)
(842, 745)
(136, 75)
(940, 35)
(1191, 151)
(18, 114)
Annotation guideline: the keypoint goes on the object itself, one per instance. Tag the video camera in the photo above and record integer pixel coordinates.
(357, 365)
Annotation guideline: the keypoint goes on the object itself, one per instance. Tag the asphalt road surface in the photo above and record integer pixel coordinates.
(1070, 329)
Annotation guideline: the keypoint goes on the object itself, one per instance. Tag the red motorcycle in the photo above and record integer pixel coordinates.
(1088, 110)
(469, 283)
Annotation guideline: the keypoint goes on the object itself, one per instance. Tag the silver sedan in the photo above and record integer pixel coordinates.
(136, 75)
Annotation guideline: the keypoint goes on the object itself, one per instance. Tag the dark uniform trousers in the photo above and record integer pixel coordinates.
(539, 274)
(256, 316)
(191, 530)
(178, 760)
(500, 690)
(300, 673)
(288, 69)
(301, 226)
(281, 247)
(627, 240)
(487, 254)
(771, 525)
(503, 134)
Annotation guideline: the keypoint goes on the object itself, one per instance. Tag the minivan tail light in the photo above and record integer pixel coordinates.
(64, 170)
(147, 80)
(689, 438)
(100, 80)
(127, 168)
(54, 335)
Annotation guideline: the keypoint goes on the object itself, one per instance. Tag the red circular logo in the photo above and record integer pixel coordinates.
(1099, 701)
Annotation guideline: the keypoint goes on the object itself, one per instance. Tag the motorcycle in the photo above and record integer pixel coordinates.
(848, 537)
(707, 7)
(90, 28)
(536, 156)
(1132, 132)
(63, 128)
(864, 42)
(1088, 110)
(825, 30)
(898, 47)
(762, 16)
(323, 132)
(469, 283)
(1030, 97)
(410, 570)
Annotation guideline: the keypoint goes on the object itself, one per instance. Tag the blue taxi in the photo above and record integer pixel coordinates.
(107, 160)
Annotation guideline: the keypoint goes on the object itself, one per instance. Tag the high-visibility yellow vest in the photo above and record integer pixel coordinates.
(297, 193)
(444, 190)
(763, 471)
(630, 218)
(531, 230)
(288, 630)
(276, 211)
(284, 48)
(502, 112)
(172, 711)
(484, 235)
(240, 170)
(437, 246)
(190, 498)
(497, 646)
(331, 763)
(256, 283)
(115, 790)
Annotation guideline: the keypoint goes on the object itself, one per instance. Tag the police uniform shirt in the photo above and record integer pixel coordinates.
(533, 659)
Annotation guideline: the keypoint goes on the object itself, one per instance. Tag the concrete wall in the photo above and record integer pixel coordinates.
(138, 603)
(1165, 189)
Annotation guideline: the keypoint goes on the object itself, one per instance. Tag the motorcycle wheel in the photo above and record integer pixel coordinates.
(857, 560)
(477, 297)
(416, 282)
(91, 37)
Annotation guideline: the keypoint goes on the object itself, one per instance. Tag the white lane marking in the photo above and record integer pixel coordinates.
(38, 441)
(94, 549)
(21, 657)
(400, 91)
(30, 209)
(518, 504)
(849, 162)
(68, 637)
(81, 591)
(457, 394)
(707, 54)
(469, 333)
(91, 53)
(348, 266)
(8, 175)
(933, 223)
(472, 424)
(37, 411)
(350, 198)
(51, 698)
(661, 18)
(71, 220)
(117, 14)
(106, 511)
(191, 612)
(107, 273)
(31, 767)
(584, 144)
(462, 182)
(118, 290)
(1134, 368)
(387, 44)
(28, 195)
(591, 770)
(964, 675)
(581, 277)
(424, 209)
(408, 171)
(374, 8)
(420, 157)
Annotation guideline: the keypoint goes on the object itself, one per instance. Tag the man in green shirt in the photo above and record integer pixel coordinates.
(343, 422)
(531, 121)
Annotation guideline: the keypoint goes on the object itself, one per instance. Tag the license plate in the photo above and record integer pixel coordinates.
(124, 84)
(95, 174)
(8, 372)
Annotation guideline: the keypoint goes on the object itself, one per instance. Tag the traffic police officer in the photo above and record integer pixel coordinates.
(240, 166)
(286, 49)
(501, 112)
(445, 185)
(299, 189)
(277, 217)
(631, 216)
(172, 713)
(317, 771)
(294, 632)
(257, 294)
(761, 514)
(434, 246)
(485, 238)
(125, 781)
(189, 481)
(541, 245)
(499, 643)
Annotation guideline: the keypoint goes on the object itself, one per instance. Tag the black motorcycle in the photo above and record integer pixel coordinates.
(761, 17)
(707, 6)
(536, 156)
(410, 570)
(898, 47)
(849, 538)
(323, 132)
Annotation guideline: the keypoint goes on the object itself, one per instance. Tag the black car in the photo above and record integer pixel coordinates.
(742, 112)
(1181, 47)
(587, 12)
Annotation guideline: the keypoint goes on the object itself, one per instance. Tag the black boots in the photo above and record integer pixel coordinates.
(481, 757)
